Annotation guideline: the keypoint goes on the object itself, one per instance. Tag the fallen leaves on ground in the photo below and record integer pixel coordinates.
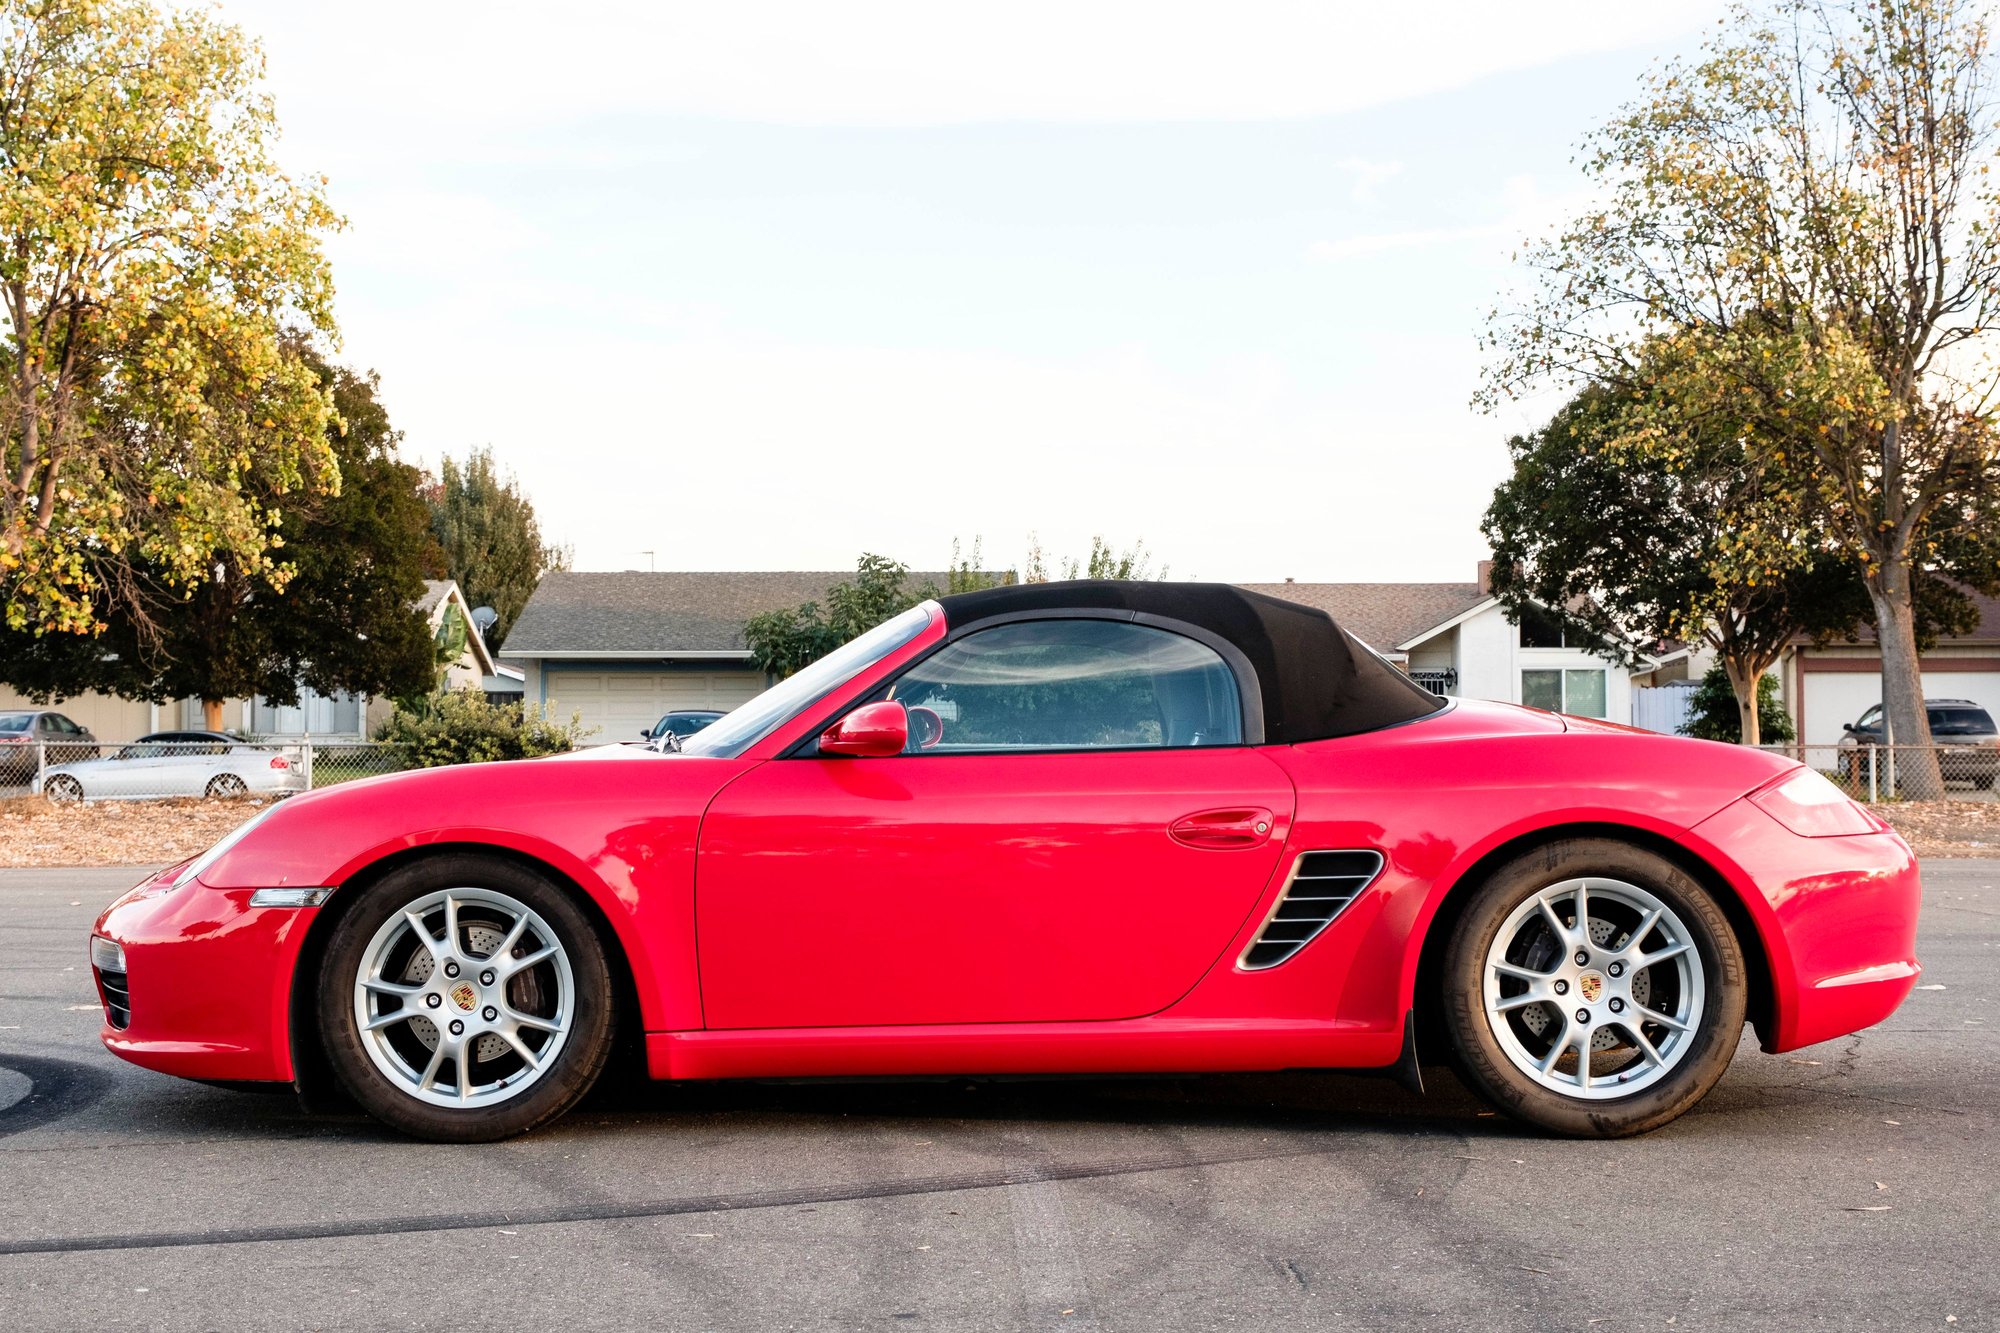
(1946, 828)
(35, 832)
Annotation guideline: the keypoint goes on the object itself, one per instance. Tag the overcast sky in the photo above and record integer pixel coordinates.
(762, 286)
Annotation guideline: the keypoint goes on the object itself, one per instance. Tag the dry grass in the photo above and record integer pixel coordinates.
(35, 832)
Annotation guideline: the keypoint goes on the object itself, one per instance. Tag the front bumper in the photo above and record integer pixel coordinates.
(207, 986)
(1838, 918)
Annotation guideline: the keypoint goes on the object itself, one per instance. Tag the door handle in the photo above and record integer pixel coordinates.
(1237, 826)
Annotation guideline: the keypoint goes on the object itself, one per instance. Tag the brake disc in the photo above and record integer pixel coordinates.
(480, 939)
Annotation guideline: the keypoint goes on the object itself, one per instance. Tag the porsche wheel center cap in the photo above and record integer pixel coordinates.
(1590, 985)
(464, 997)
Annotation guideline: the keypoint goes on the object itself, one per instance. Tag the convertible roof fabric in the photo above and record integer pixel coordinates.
(1317, 680)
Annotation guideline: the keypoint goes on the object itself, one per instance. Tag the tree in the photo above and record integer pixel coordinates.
(490, 539)
(1714, 715)
(152, 256)
(783, 642)
(1103, 562)
(1804, 216)
(343, 619)
(1627, 547)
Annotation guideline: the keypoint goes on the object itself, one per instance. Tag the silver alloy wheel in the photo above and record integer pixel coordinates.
(63, 787)
(465, 998)
(227, 784)
(1593, 988)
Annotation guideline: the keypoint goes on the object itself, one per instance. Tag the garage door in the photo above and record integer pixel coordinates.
(621, 704)
(1834, 697)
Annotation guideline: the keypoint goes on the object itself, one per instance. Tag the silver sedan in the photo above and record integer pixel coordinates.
(176, 764)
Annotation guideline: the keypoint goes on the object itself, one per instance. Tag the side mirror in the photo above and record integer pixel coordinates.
(645, 733)
(872, 731)
(1847, 727)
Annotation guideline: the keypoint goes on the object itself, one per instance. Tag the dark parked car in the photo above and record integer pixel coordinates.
(682, 722)
(1971, 742)
(62, 741)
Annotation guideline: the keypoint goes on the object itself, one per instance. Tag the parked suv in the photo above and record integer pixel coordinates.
(62, 741)
(1969, 742)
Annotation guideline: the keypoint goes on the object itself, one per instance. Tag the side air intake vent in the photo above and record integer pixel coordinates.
(1321, 886)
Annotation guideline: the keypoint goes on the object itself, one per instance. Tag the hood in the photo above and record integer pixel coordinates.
(316, 837)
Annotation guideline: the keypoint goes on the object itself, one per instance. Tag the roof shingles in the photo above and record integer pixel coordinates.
(1381, 615)
(666, 613)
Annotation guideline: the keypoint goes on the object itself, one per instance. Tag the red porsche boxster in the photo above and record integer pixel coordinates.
(1050, 828)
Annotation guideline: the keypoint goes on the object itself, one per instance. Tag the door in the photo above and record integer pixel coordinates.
(1029, 858)
(132, 771)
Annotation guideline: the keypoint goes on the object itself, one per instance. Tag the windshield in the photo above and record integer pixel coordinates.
(736, 732)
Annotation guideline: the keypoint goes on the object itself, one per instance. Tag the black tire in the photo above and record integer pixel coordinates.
(574, 1069)
(1476, 1049)
(227, 786)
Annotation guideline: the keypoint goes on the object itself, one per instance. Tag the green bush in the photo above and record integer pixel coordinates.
(1713, 716)
(464, 727)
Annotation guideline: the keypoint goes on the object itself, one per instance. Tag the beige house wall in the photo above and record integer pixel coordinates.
(106, 716)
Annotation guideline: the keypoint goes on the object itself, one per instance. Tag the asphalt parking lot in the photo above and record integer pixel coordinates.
(1851, 1185)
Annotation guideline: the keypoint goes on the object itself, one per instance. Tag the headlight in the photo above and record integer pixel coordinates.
(208, 858)
(106, 955)
(1812, 807)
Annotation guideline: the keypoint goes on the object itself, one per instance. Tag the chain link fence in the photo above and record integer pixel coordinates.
(161, 770)
(1899, 772)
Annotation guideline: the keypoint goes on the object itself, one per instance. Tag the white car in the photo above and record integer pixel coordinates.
(176, 763)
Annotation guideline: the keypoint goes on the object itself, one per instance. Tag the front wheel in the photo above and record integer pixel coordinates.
(465, 999)
(1594, 989)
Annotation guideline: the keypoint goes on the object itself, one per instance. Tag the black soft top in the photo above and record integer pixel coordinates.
(1315, 679)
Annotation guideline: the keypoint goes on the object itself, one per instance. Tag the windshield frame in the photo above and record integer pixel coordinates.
(736, 732)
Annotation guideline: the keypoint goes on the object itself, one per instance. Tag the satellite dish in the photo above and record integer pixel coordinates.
(484, 617)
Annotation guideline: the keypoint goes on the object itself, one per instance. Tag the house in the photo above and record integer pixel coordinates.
(1826, 686)
(1455, 639)
(619, 649)
(622, 648)
(328, 716)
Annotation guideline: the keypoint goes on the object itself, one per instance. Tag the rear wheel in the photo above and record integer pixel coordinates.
(227, 785)
(465, 999)
(1594, 989)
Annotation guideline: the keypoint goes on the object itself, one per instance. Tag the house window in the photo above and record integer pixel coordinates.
(1580, 692)
(1540, 628)
(320, 714)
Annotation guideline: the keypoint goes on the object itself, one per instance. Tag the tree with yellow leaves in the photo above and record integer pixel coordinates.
(153, 258)
(1802, 226)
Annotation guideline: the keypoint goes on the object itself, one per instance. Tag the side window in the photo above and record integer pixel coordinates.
(1072, 685)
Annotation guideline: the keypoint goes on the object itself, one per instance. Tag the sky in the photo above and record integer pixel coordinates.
(766, 286)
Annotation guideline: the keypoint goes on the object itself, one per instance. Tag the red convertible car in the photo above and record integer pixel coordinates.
(1051, 828)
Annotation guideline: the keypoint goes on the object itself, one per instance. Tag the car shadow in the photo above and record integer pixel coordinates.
(1281, 1102)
